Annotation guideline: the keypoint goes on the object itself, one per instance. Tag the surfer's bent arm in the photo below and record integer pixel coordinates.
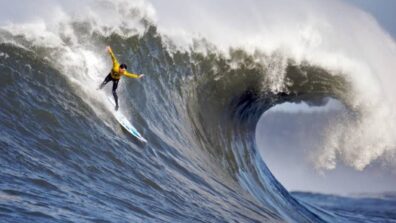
(131, 75)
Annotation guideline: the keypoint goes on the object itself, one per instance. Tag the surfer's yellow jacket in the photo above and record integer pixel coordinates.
(115, 71)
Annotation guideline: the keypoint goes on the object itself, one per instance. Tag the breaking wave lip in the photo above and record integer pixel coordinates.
(216, 99)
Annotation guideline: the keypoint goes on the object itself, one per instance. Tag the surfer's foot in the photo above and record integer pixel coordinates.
(100, 86)
(116, 107)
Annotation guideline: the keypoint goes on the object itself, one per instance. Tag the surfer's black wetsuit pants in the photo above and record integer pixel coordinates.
(115, 85)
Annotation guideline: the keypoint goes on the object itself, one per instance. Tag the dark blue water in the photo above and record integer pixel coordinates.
(357, 208)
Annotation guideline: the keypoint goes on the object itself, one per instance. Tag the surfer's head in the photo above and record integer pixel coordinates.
(123, 67)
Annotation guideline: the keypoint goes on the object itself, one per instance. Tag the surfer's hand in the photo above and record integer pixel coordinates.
(140, 76)
(108, 49)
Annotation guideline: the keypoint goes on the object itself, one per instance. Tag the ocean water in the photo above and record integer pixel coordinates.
(64, 157)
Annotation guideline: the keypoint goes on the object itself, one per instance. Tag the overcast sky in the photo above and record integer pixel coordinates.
(383, 10)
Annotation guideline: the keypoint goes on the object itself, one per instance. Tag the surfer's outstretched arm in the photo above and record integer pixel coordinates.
(132, 75)
(113, 58)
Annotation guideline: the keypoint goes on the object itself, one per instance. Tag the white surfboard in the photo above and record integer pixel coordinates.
(125, 123)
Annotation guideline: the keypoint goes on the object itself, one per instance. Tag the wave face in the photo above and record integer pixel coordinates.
(65, 158)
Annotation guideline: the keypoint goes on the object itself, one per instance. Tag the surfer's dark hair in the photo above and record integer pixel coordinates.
(124, 66)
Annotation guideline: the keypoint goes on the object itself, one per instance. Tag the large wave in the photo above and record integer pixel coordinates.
(210, 75)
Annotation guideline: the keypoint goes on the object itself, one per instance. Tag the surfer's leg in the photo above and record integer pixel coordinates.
(106, 80)
(115, 85)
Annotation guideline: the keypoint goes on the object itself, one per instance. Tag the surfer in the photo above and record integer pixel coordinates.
(115, 74)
